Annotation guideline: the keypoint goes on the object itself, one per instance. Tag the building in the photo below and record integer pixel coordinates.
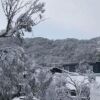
(72, 67)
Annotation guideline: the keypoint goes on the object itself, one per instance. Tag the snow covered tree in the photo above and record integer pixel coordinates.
(67, 87)
(43, 79)
(21, 16)
(12, 73)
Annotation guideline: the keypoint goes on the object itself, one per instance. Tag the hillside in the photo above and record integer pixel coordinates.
(47, 51)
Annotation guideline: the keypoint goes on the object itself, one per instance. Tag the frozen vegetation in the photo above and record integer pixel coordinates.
(22, 76)
(30, 69)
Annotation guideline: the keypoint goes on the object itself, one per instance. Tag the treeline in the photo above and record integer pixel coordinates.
(47, 51)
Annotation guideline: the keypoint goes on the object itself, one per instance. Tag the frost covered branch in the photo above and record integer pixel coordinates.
(21, 16)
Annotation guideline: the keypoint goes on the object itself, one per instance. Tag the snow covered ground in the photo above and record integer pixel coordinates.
(23, 97)
(98, 79)
(19, 98)
(95, 89)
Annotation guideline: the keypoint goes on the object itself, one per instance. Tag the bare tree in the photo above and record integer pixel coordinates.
(68, 87)
(81, 88)
(21, 16)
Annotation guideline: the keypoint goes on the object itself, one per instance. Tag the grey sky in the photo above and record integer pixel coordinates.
(68, 19)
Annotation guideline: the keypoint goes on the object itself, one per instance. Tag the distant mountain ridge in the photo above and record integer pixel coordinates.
(47, 51)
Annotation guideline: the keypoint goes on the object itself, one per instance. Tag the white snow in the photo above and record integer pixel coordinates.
(19, 98)
(98, 79)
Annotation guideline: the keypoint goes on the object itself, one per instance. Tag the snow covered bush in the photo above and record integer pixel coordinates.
(67, 87)
(12, 69)
(43, 79)
(84, 67)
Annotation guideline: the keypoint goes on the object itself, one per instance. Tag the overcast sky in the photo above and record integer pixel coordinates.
(67, 19)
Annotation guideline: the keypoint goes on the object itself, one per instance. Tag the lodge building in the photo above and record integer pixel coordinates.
(72, 67)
